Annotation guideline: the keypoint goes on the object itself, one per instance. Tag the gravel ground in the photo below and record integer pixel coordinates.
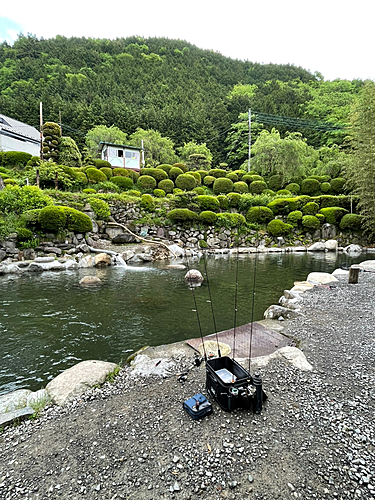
(314, 439)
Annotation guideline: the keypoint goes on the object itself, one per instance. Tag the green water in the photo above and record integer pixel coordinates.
(49, 323)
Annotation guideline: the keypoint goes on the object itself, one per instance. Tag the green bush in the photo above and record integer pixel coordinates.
(174, 173)
(52, 219)
(207, 217)
(100, 208)
(159, 193)
(181, 166)
(275, 182)
(14, 158)
(122, 172)
(202, 173)
(9, 181)
(310, 208)
(282, 206)
(240, 174)
(31, 217)
(248, 178)
(257, 187)
(89, 191)
(224, 202)
(76, 221)
(15, 200)
(81, 177)
(217, 172)
(284, 192)
(102, 164)
(157, 173)
(107, 172)
(278, 228)
(146, 183)
(229, 220)
(199, 190)
(177, 191)
(325, 187)
(209, 180)
(134, 192)
(337, 185)
(222, 186)
(337, 201)
(232, 176)
(293, 187)
(182, 215)
(240, 187)
(294, 218)
(320, 217)
(147, 202)
(333, 215)
(196, 176)
(108, 187)
(253, 200)
(208, 203)
(124, 183)
(165, 167)
(24, 234)
(310, 186)
(166, 185)
(259, 215)
(310, 223)
(203, 244)
(94, 175)
(186, 182)
(351, 222)
(320, 178)
(233, 200)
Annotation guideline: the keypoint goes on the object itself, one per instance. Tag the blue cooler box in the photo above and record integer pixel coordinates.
(198, 406)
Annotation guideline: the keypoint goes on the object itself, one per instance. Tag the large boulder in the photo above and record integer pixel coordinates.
(194, 275)
(124, 238)
(14, 400)
(77, 380)
(319, 246)
(353, 249)
(90, 280)
(331, 245)
(279, 312)
(321, 278)
(102, 259)
(368, 265)
(87, 261)
(292, 355)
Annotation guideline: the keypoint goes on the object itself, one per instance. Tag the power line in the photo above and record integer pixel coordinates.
(288, 121)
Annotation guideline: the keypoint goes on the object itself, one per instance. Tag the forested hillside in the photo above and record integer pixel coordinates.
(171, 86)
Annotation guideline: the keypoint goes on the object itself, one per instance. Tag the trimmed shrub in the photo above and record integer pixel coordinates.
(196, 176)
(102, 164)
(217, 172)
(124, 183)
(181, 166)
(186, 182)
(94, 175)
(311, 208)
(325, 187)
(134, 192)
(278, 228)
(240, 174)
(227, 219)
(24, 234)
(320, 217)
(15, 200)
(146, 182)
(275, 182)
(166, 185)
(182, 215)
(224, 202)
(107, 172)
(122, 172)
(337, 185)
(202, 173)
(248, 178)
(233, 199)
(100, 208)
(31, 217)
(81, 177)
(282, 206)
(159, 193)
(253, 200)
(14, 158)
(222, 186)
(310, 186)
(333, 215)
(232, 176)
(9, 181)
(76, 221)
(269, 192)
(199, 190)
(174, 173)
(284, 192)
(165, 167)
(240, 187)
(310, 223)
(52, 219)
(320, 178)
(203, 244)
(207, 217)
(294, 218)
(177, 191)
(108, 186)
(89, 191)
(336, 201)
(209, 180)
(157, 173)
(257, 187)
(147, 202)
(351, 222)
(259, 215)
(208, 203)
(293, 187)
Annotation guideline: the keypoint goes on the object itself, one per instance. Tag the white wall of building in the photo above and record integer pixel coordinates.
(11, 144)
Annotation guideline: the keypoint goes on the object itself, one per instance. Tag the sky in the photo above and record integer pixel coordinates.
(332, 37)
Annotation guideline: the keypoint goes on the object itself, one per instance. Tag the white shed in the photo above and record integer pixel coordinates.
(119, 155)
(18, 136)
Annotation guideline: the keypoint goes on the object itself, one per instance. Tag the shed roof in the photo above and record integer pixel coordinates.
(102, 144)
(13, 127)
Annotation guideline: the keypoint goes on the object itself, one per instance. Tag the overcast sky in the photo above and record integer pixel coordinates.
(333, 37)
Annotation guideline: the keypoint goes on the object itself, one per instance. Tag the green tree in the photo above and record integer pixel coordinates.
(102, 133)
(361, 171)
(191, 148)
(158, 149)
(69, 153)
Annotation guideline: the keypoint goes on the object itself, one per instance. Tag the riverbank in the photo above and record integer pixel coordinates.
(314, 439)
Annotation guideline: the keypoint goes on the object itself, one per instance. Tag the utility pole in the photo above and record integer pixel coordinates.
(41, 128)
(249, 160)
(143, 155)
(60, 121)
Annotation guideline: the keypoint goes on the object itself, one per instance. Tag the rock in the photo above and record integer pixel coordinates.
(29, 254)
(35, 267)
(328, 231)
(87, 261)
(38, 398)
(353, 249)
(127, 255)
(10, 269)
(292, 355)
(145, 257)
(289, 303)
(298, 249)
(14, 400)
(319, 246)
(83, 248)
(2, 255)
(44, 259)
(320, 278)
(194, 275)
(160, 233)
(331, 245)
(275, 312)
(367, 265)
(71, 264)
(124, 238)
(2, 185)
(144, 366)
(177, 250)
(90, 280)
(102, 259)
(213, 242)
(54, 250)
(9, 417)
(301, 287)
(175, 266)
(340, 272)
(77, 380)
(113, 231)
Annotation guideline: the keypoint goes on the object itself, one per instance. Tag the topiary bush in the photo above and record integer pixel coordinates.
(282, 206)
(295, 218)
(181, 166)
(333, 215)
(232, 176)
(146, 183)
(257, 187)
(337, 185)
(159, 193)
(51, 140)
(223, 200)
(9, 181)
(124, 183)
(52, 219)
(186, 182)
(76, 221)
(275, 182)
(196, 176)
(14, 158)
(251, 200)
(122, 172)
(209, 180)
(107, 187)
(207, 217)
(240, 187)
(147, 202)
(351, 222)
(320, 218)
(165, 167)
(284, 192)
(310, 186)
(310, 223)
(100, 208)
(217, 172)
(240, 174)
(233, 199)
(249, 178)
(199, 190)
(102, 164)
(89, 191)
(293, 187)
(94, 175)
(182, 215)
(310, 208)
(230, 220)
(222, 186)
(107, 172)
(278, 228)
(24, 234)
(81, 177)
(166, 185)
(325, 187)
(202, 173)
(16, 200)
(259, 215)
(208, 203)
(174, 173)
(157, 173)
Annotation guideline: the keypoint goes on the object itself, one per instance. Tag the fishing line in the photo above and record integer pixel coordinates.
(235, 307)
(253, 303)
(212, 306)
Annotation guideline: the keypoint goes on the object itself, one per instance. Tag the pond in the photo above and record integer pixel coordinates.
(48, 322)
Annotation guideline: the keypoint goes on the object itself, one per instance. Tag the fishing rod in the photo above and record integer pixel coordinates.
(235, 307)
(211, 303)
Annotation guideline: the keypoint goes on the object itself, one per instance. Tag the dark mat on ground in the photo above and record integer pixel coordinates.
(264, 341)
